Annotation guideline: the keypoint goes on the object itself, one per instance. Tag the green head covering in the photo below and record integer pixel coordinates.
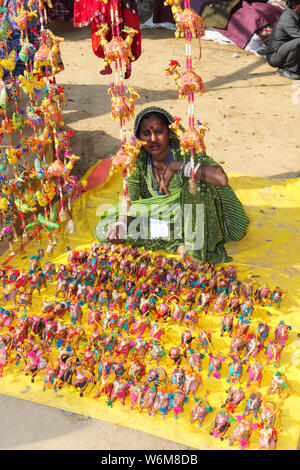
(151, 109)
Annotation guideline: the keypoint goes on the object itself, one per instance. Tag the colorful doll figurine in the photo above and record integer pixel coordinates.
(278, 383)
(137, 393)
(195, 360)
(177, 401)
(177, 313)
(235, 396)
(192, 381)
(273, 351)
(220, 425)
(234, 305)
(281, 332)
(177, 378)
(157, 352)
(227, 325)
(241, 433)
(205, 300)
(254, 374)
(237, 345)
(161, 401)
(156, 331)
(82, 379)
(276, 297)
(191, 318)
(253, 346)
(186, 339)
(220, 303)
(262, 295)
(234, 370)
(247, 309)
(76, 312)
(242, 327)
(268, 437)
(262, 332)
(253, 404)
(200, 411)
(204, 340)
(175, 354)
(215, 364)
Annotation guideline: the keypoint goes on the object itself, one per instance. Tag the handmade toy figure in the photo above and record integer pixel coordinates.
(200, 411)
(253, 346)
(241, 433)
(262, 295)
(82, 379)
(186, 339)
(47, 59)
(195, 361)
(278, 384)
(204, 340)
(262, 332)
(177, 401)
(234, 305)
(273, 351)
(117, 48)
(237, 345)
(137, 393)
(157, 352)
(227, 325)
(191, 138)
(275, 297)
(235, 396)
(175, 355)
(247, 309)
(254, 374)
(161, 401)
(220, 425)
(186, 82)
(192, 381)
(253, 404)
(242, 327)
(215, 365)
(234, 370)
(282, 332)
(186, 19)
(122, 107)
(127, 155)
(267, 438)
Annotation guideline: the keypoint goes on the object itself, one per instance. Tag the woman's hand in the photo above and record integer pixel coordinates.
(167, 175)
(116, 234)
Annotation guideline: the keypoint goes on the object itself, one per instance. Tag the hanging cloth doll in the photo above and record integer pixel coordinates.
(95, 12)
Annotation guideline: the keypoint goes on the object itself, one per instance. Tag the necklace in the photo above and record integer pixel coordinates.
(157, 171)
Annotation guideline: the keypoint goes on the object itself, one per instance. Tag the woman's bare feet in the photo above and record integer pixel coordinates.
(181, 251)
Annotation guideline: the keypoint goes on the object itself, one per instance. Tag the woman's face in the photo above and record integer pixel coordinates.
(156, 134)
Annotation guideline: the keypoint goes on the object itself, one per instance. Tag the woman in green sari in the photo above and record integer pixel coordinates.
(164, 214)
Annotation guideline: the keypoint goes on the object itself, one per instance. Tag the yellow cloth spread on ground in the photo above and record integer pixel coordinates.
(269, 251)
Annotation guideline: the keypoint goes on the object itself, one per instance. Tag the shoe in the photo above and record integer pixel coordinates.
(287, 74)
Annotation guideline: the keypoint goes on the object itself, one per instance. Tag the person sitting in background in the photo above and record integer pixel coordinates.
(284, 43)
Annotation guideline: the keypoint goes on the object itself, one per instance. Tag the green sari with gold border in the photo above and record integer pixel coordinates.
(219, 211)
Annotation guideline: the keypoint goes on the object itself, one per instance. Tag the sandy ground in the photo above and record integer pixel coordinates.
(253, 116)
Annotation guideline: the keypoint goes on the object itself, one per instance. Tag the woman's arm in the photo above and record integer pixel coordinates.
(211, 174)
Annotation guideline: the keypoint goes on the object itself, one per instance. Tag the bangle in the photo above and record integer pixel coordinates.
(181, 168)
(187, 169)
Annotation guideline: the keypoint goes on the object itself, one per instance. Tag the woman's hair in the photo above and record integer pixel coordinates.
(163, 117)
(291, 3)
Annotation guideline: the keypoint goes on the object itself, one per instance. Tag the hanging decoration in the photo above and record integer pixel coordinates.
(189, 25)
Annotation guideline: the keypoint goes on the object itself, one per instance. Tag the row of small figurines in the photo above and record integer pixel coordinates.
(154, 395)
(110, 337)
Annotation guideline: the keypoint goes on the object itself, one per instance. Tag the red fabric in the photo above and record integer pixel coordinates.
(95, 12)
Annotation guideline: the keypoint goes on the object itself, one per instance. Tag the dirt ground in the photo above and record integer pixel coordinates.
(253, 116)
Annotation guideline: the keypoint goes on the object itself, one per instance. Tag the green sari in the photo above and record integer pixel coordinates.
(203, 221)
